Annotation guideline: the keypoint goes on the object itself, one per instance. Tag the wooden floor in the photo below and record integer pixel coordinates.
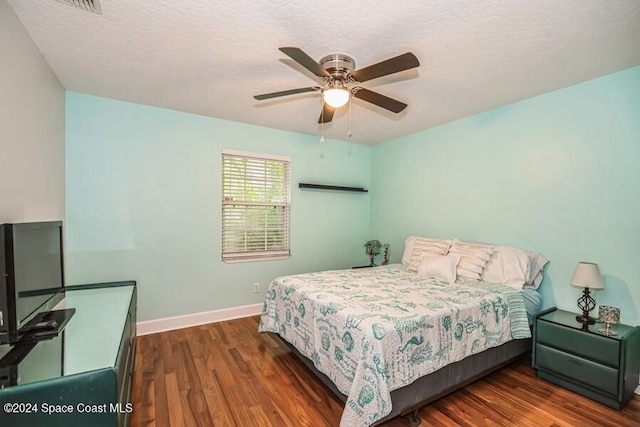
(227, 374)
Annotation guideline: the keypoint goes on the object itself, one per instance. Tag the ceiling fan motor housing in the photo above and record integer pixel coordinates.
(338, 65)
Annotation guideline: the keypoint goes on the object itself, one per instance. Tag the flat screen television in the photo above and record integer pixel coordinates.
(31, 274)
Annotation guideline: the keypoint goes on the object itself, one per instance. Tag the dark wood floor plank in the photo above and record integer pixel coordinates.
(161, 404)
(493, 400)
(220, 361)
(228, 374)
(167, 353)
(219, 408)
(176, 418)
(432, 417)
(235, 400)
(146, 410)
(470, 411)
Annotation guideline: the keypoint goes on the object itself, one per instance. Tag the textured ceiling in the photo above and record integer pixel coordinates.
(211, 57)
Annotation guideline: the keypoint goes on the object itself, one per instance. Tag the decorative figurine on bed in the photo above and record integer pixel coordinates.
(373, 249)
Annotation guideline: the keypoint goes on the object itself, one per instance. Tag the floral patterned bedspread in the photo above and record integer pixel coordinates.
(374, 330)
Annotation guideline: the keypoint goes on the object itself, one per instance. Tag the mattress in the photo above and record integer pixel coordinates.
(372, 331)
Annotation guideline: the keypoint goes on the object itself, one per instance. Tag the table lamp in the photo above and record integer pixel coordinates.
(587, 276)
(372, 248)
(610, 316)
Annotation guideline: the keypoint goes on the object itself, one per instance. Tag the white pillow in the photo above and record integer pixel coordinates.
(439, 266)
(408, 249)
(427, 246)
(473, 259)
(537, 263)
(508, 266)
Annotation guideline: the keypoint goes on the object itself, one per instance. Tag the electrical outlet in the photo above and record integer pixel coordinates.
(256, 287)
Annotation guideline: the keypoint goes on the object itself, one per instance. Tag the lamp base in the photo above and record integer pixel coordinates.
(585, 320)
(586, 303)
(607, 331)
(372, 257)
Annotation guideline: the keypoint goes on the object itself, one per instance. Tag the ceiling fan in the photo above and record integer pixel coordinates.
(341, 80)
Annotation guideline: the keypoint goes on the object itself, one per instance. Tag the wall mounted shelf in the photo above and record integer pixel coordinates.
(332, 187)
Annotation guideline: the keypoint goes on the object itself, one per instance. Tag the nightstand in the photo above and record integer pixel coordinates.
(602, 368)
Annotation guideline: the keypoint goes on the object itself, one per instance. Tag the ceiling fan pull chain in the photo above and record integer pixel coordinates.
(349, 134)
(322, 120)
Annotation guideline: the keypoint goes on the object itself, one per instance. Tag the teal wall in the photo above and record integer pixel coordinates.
(143, 202)
(558, 174)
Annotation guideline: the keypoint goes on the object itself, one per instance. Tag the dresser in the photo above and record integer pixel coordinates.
(603, 368)
(83, 376)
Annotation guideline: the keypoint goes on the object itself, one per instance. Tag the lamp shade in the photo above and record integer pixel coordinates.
(336, 97)
(587, 275)
(608, 314)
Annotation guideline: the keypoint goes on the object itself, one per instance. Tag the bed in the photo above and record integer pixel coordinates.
(388, 340)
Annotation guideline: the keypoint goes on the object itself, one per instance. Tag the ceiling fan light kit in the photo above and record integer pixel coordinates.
(336, 96)
(341, 79)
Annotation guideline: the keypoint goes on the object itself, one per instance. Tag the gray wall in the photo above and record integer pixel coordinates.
(32, 135)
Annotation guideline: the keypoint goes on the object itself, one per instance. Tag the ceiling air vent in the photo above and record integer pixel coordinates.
(88, 5)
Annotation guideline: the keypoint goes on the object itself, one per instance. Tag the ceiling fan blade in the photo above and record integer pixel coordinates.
(305, 60)
(327, 113)
(379, 100)
(399, 63)
(286, 92)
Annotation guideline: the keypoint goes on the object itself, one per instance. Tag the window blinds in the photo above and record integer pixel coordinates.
(255, 206)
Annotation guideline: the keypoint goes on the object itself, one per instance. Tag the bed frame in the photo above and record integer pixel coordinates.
(407, 400)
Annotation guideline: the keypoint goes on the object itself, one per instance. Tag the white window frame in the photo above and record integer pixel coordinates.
(233, 255)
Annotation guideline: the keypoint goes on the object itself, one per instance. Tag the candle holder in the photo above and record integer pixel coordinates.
(610, 316)
(385, 254)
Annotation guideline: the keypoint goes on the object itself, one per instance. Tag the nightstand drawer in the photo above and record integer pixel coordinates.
(598, 348)
(585, 371)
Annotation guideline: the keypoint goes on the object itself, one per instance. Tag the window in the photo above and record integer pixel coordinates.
(255, 206)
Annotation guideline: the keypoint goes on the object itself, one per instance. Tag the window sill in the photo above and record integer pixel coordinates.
(255, 259)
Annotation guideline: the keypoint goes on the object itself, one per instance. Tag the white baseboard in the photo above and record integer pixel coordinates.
(637, 390)
(195, 319)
